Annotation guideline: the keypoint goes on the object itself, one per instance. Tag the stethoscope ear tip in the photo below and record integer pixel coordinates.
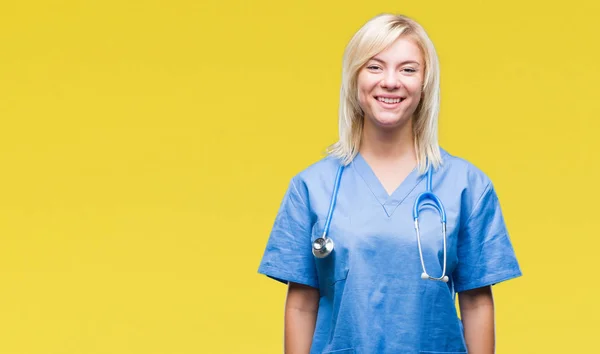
(426, 276)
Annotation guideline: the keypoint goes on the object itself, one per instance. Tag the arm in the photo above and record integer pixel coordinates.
(477, 312)
(301, 306)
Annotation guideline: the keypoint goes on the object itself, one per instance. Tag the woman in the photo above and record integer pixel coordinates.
(387, 287)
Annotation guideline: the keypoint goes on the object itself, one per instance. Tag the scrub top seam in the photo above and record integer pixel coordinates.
(367, 184)
(390, 199)
(401, 200)
(283, 275)
(489, 280)
(396, 202)
(478, 203)
(297, 192)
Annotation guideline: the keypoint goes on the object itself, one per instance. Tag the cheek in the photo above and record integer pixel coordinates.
(416, 96)
(365, 86)
(415, 88)
(363, 96)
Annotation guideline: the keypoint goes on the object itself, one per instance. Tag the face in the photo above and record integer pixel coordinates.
(390, 84)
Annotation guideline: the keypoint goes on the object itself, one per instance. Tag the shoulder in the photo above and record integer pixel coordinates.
(318, 170)
(317, 176)
(463, 171)
(470, 184)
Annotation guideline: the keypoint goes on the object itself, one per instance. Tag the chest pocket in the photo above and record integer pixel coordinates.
(334, 267)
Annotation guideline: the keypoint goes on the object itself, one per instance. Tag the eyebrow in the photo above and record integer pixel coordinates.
(404, 62)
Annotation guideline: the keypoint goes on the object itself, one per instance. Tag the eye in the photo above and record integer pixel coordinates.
(409, 70)
(373, 67)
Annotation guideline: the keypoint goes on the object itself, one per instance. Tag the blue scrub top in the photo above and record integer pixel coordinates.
(372, 297)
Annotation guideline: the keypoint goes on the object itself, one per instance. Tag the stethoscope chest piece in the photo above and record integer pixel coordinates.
(322, 247)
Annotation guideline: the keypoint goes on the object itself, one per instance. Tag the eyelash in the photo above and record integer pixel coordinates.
(374, 67)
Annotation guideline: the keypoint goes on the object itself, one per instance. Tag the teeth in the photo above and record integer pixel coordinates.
(389, 100)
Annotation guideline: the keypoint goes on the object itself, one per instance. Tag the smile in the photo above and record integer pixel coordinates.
(389, 100)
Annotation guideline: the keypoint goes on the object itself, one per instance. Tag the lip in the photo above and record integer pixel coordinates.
(389, 105)
(389, 96)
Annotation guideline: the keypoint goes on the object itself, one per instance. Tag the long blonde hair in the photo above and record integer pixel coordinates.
(375, 36)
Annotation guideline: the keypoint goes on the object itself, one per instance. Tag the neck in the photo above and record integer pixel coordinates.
(388, 145)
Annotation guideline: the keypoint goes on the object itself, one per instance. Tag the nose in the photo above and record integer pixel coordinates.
(390, 80)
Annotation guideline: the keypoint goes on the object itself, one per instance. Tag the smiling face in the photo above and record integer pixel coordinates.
(390, 84)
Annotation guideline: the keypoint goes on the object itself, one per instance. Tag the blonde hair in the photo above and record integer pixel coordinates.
(374, 37)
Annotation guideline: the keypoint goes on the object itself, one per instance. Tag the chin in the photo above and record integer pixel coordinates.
(389, 122)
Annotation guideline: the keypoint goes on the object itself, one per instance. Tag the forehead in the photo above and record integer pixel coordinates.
(402, 49)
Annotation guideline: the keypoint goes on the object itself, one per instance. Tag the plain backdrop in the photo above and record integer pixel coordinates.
(145, 147)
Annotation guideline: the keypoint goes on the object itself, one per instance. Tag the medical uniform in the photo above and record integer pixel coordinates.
(372, 297)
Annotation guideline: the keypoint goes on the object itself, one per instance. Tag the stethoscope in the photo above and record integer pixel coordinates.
(323, 246)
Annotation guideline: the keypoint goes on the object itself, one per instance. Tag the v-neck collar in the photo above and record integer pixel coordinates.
(387, 201)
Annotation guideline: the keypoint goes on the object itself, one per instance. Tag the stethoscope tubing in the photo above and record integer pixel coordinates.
(332, 203)
(323, 246)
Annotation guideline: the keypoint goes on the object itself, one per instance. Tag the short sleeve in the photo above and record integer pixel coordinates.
(288, 256)
(485, 252)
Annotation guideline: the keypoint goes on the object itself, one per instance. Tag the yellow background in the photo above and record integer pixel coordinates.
(145, 147)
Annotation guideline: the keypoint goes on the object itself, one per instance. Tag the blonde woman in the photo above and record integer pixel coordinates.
(376, 239)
